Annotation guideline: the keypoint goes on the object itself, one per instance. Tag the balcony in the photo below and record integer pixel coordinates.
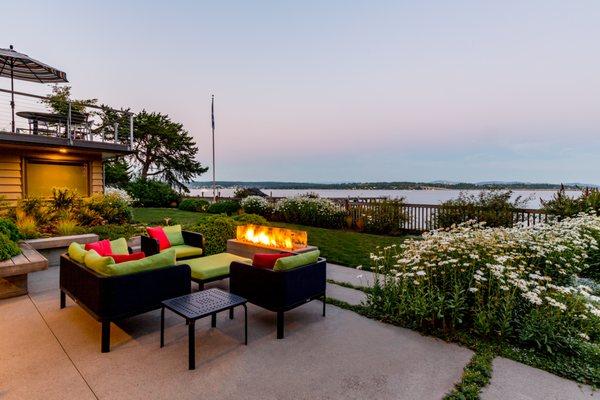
(99, 129)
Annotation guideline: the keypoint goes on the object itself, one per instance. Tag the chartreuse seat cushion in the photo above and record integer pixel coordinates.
(213, 266)
(291, 262)
(106, 265)
(98, 263)
(119, 246)
(186, 251)
(174, 234)
(77, 252)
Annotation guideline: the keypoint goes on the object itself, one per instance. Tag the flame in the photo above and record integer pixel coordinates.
(281, 238)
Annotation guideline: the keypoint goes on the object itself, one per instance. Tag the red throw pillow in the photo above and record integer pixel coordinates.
(102, 247)
(266, 260)
(159, 234)
(119, 258)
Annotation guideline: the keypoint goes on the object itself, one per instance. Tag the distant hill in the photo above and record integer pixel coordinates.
(388, 185)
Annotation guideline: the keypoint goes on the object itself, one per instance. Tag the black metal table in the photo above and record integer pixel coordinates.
(199, 305)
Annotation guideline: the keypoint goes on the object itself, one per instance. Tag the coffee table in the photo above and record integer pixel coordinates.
(199, 305)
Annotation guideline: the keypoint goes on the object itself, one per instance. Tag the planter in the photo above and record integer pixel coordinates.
(13, 272)
(53, 247)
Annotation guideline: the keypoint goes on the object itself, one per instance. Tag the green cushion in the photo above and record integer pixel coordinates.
(174, 234)
(184, 251)
(98, 263)
(291, 262)
(77, 252)
(160, 260)
(119, 246)
(213, 266)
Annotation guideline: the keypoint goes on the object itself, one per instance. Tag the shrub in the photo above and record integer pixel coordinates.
(562, 205)
(257, 205)
(8, 248)
(111, 208)
(309, 211)
(250, 219)
(494, 207)
(10, 229)
(35, 208)
(216, 229)
(28, 227)
(513, 284)
(383, 218)
(224, 207)
(64, 199)
(197, 205)
(66, 227)
(121, 193)
(113, 232)
(152, 193)
(242, 193)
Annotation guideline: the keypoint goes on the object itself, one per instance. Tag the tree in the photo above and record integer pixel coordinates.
(116, 172)
(58, 101)
(165, 150)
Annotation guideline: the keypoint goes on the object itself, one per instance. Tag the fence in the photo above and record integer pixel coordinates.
(425, 217)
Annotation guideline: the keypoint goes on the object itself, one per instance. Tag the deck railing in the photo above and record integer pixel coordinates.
(33, 117)
(426, 217)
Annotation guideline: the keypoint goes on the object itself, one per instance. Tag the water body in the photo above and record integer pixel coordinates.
(436, 196)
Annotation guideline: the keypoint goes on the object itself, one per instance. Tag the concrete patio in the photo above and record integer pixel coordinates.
(48, 353)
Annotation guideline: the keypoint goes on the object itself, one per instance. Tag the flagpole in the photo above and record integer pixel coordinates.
(212, 115)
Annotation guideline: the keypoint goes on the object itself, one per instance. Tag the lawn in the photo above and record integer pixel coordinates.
(338, 246)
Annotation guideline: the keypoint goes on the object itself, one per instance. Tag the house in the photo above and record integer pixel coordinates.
(69, 152)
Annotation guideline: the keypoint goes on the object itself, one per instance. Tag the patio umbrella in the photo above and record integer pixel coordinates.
(20, 66)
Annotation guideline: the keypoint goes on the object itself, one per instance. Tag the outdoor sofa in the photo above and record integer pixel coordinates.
(279, 290)
(110, 298)
(187, 245)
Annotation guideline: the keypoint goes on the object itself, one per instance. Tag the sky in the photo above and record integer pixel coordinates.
(330, 91)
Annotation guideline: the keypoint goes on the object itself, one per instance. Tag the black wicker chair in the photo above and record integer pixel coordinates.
(279, 291)
(112, 298)
(150, 245)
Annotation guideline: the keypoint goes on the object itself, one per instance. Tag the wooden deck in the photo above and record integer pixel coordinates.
(13, 272)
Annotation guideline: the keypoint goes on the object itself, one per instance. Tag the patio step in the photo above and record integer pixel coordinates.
(352, 276)
(351, 296)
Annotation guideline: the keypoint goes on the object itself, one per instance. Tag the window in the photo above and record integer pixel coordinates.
(42, 176)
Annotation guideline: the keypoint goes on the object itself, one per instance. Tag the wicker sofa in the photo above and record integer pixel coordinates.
(192, 240)
(279, 291)
(110, 298)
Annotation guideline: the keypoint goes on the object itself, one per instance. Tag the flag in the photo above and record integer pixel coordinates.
(212, 111)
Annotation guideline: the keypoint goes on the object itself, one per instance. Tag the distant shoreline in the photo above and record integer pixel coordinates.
(268, 185)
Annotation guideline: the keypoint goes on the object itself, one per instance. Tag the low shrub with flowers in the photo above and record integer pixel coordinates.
(257, 205)
(516, 284)
(310, 211)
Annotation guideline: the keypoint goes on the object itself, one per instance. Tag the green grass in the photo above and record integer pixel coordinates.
(345, 247)
(338, 246)
(157, 216)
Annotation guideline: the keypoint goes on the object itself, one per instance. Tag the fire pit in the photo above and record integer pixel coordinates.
(251, 239)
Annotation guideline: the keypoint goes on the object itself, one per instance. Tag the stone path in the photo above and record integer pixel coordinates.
(351, 276)
(510, 379)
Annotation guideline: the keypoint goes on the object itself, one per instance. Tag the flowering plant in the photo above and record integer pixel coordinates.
(257, 205)
(512, 283)
(310, 211)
